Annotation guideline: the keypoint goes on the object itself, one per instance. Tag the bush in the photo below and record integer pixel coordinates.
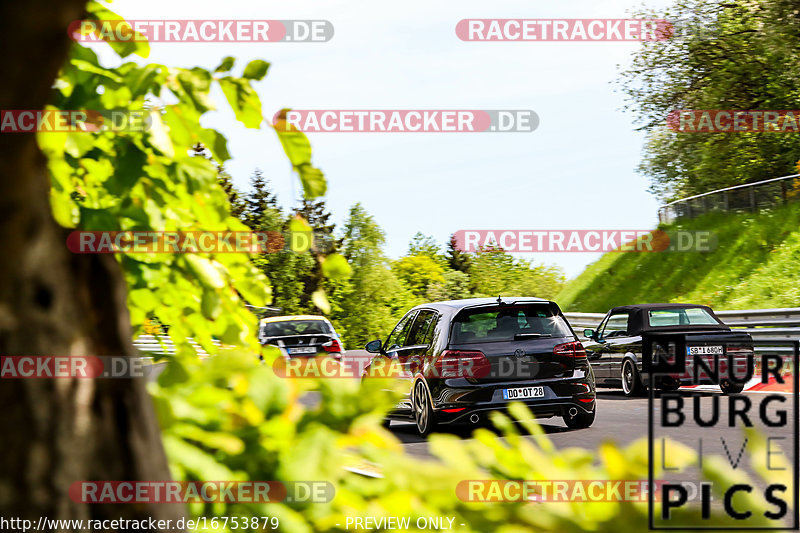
(231, 418)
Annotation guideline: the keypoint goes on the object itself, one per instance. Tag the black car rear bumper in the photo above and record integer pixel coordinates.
(458, 404)
(539, 409)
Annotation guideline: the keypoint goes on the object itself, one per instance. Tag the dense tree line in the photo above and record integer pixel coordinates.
(380, 290)
(733, 55)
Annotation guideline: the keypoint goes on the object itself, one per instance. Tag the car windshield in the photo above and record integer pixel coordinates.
(295, 327)
(693, 316)
(508, 323)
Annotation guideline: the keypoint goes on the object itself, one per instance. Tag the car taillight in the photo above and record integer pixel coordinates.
(739, 350)
(460, 364)
(332, 345)
(570, 349)
(741, 356)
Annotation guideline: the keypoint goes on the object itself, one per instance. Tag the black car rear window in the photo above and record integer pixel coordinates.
(295, 327)
(506, 323)
(676, 316)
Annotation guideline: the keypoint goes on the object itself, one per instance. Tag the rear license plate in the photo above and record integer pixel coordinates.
(523, 392)
(304, 349)
(704, 350)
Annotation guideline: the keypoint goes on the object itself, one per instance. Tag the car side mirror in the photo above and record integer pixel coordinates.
(374, 346)
(589, 333)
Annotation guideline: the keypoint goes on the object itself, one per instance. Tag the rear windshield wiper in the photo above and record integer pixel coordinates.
(520, 336)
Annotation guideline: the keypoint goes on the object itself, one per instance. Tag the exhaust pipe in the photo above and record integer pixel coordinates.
(573, 412)
(474, 418)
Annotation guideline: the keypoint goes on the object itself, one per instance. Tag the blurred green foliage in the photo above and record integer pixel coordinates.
(230, 417)
(733, 55)
(234, 419)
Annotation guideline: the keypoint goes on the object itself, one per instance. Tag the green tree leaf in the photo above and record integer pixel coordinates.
(256, 69)
(298, 149)
(243, 100)
(226, 65)
(205, 270)
(335, 266)
(138, 45)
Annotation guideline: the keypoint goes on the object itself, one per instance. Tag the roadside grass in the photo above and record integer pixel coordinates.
(756, 263)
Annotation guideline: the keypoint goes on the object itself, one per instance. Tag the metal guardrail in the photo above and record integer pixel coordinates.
(150, 346)
(778, 325)
(745, 197)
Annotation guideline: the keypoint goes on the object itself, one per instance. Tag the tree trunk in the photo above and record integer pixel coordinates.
(52, 302)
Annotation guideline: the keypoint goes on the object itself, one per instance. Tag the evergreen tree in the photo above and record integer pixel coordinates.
(422, 244)
(234, 197)
(284, 269)
(318, 217)
(456, 259)
(261, 209)
(225, 181)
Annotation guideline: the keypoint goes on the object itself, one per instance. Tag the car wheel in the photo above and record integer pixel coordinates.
(670, 386)
(580, 421)
(631, 382)
(423, 411)
(729, 387)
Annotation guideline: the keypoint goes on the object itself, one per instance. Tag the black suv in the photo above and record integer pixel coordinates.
(465, 358)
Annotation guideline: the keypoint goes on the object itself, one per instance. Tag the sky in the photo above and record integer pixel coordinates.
(577, 170)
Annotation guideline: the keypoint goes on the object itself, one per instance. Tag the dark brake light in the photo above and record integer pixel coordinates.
(570, 349)
(332, 345)
(739, 350)
(460, 364)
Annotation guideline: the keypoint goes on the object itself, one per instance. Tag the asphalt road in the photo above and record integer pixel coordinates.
(623, 420)
(618, 418)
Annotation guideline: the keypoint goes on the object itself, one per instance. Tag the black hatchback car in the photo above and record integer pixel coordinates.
(466, 358)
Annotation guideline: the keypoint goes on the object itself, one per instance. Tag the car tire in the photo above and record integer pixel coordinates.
(580, 421)
(729, 387)
(423, 410)
(670, 387)
(631, 381)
